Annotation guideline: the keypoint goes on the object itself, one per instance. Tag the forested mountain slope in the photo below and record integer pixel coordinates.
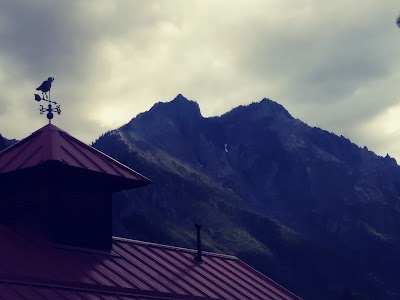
(308, 208)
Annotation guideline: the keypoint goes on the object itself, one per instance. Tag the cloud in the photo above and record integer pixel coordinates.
(331, 64)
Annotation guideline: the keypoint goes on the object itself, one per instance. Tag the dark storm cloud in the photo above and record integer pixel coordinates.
(42, 36)
(61, 35)
(324, 61)
(331, 64)
(60, 38)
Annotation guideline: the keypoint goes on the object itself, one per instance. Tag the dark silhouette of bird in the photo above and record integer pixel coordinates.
(45, 87)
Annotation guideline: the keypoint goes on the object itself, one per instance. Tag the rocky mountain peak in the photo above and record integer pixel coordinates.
(390, 160)
(258, 110)
(180, 106)
(269, 106)
(164, 116)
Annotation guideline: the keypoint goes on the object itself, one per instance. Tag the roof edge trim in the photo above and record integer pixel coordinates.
(188, 250)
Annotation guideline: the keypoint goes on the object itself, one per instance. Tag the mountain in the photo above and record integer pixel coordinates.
(308, 208)
(4, 143)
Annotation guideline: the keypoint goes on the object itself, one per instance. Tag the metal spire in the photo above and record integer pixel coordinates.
(45, 88)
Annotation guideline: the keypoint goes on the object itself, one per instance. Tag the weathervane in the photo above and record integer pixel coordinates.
(45, 89)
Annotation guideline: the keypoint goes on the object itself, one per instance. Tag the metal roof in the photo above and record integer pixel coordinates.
(24, 291)
(50, 143)
(33, 268)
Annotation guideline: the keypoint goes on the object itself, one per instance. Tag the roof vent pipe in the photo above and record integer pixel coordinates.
(198, 256)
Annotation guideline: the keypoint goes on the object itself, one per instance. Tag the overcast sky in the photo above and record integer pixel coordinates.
(332, 64)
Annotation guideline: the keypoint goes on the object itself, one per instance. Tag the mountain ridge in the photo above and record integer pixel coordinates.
(257, 170)
(265, 100)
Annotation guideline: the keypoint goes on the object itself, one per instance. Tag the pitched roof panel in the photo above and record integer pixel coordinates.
(50, 143)
(133, 268)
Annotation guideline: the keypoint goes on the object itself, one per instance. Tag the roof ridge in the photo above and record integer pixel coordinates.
(121, 239)
(49, 127)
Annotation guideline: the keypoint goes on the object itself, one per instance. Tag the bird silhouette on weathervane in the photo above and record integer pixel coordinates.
(45, 87)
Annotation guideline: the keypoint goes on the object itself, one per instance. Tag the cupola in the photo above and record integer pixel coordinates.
(62, 188)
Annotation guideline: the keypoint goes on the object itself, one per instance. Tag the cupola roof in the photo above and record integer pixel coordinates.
(51, 144)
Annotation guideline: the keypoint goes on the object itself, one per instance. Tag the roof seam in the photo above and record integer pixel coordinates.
(83, 153)
(119, 264)
(233, 270)
(39, 293)
(166, 287)
(105, 160)
(29, 157)
(4, 151)
(109, 158)
(58, 292)
(154, 257)
(203, 279)
(16, 292)
(73, 157)
(236, 273)
(113, 272)
(28, 142)
(228, 279)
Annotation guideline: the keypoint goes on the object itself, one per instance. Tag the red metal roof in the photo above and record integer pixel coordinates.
(32, 268)
(50, 143)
